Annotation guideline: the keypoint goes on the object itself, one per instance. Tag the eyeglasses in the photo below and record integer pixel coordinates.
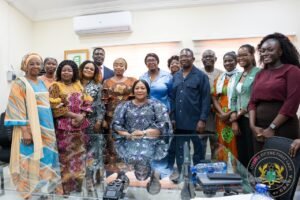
(151, 60)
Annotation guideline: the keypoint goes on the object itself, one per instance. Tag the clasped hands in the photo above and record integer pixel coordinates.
(262, 134)
(137, 134)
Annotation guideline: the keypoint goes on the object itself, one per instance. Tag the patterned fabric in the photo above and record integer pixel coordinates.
(114, 93)
(96, 141)
(211, 120)
(224, 131)
(98, 109)
(230, 86)
(71, 140)
(72, 157)
(48, 81)
(129, 117)
(65, 98)
(17, 115)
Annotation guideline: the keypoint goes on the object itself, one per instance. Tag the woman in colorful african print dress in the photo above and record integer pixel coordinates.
(115, 90)
(34, 157)
(221, 95)
(70, 105)
(88, 74)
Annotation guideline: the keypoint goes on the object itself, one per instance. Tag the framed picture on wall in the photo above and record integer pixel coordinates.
(78, 56)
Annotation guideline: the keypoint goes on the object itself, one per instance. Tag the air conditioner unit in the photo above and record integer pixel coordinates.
(103, 23)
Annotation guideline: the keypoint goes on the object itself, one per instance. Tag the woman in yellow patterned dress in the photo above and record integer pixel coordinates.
(70, 106)
(221, 95)
(115, 91)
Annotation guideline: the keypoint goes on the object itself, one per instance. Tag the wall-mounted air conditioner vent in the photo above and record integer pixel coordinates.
(103, 23)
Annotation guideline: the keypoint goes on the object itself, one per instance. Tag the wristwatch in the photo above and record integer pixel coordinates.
(145, 133)
(273, 126)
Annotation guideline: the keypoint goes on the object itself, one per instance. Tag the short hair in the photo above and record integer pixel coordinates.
(49, 58)
(98, 48)
(175, 57)
(122, 59)
(189, 50)
(96, 73)
(144, 167)
(144, 82)
(251, 50)
(231, 54)
(209, 50)
(152, 55)
(74, 67)
(290, 54)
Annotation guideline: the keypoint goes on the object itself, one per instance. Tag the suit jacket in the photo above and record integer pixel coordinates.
(108, 73)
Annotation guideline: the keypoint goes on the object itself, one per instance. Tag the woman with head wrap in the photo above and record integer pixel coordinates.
(34, 157)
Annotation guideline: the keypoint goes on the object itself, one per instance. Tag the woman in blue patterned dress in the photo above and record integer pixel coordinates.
(140, 127)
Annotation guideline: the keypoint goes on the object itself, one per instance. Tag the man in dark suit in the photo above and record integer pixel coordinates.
(98, 57)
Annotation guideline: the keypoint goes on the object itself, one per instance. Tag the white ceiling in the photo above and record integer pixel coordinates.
(39, 10)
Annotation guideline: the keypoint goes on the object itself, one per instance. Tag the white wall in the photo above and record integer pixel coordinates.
(15, 41)
(185, 25)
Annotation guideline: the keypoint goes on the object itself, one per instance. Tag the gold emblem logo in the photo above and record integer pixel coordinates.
(273, 168)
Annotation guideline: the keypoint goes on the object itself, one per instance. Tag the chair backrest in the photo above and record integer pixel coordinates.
(5, 133)
(5, 140)
(283, 144)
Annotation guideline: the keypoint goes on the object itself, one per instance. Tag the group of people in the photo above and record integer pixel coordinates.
(73, 120)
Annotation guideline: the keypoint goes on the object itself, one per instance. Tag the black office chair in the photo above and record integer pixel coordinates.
(5, 140)
(283, 144)
(5, 145)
